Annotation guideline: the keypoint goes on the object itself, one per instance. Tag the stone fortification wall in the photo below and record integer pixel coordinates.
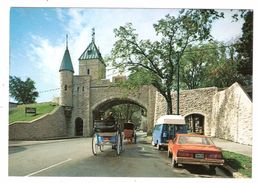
(197, 101)
(52, 125)
(232, 115)
(227, 114)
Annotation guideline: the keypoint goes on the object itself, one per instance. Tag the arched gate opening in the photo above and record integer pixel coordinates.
(195, 123)
(79, 127)
(122, 109)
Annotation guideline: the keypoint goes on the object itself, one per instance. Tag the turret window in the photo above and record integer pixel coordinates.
(65, 87)
(88, 71)
(78, 88)
(83, 89)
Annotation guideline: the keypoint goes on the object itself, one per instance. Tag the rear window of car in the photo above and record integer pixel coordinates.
(194, 140)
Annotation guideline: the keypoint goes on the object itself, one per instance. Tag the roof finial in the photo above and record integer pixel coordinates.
(66, 41)
(93, 35)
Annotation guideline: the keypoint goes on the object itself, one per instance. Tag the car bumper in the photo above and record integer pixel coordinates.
(216, 162)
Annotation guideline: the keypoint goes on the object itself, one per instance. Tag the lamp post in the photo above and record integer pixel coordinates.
(178, 87)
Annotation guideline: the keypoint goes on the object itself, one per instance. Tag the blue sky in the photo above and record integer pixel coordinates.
(37, 37)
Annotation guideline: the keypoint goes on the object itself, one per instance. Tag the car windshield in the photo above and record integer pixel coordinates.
(194, 140)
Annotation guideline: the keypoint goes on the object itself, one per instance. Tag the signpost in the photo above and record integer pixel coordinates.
(30, 110)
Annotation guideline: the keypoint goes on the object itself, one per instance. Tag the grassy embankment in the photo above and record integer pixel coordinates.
(239, 162)
(18, 113)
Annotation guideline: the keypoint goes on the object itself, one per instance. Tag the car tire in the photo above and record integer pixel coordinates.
(175, 165)
(212, 170)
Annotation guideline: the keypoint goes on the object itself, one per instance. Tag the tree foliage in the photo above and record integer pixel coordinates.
(159, 58)
(23, 92)
(211, 64)
(127, 112)
(244, 45)
(195, 64)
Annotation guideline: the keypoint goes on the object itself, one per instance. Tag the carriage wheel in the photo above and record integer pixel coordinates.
(95, 144)
(135, 139)
(118, 148)
(122, 144)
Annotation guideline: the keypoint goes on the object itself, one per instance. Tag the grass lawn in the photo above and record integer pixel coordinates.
(239, 162)
(18, 113)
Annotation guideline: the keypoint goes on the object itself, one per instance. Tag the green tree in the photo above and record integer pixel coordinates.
(211, 64)
(127, 112)
(159, 58)
(223, 70)
(244, 45)
(195, 64)
(22, 91)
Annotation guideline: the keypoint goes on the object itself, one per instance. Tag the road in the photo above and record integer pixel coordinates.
(74, 158)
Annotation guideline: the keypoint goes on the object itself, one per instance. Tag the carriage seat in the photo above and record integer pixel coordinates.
(105, 126)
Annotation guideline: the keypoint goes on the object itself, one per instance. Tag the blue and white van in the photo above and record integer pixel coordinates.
(165, 128)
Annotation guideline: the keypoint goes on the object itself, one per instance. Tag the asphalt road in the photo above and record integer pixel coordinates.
(74, 158)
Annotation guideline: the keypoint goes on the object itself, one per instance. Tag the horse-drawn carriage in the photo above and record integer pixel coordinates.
(129, 132)
(107, 132)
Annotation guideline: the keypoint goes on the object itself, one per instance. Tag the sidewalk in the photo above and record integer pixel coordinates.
(233, 147)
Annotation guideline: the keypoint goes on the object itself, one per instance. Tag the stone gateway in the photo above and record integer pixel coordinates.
(86, 95)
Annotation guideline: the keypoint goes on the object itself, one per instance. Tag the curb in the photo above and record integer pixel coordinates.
(231, 171)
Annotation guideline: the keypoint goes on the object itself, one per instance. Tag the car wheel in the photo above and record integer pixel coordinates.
(212, 170)
(175, 165)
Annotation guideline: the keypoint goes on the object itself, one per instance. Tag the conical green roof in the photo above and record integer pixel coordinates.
(91, 52)
(66, 63)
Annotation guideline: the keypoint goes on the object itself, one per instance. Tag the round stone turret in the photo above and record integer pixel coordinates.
(66, 79)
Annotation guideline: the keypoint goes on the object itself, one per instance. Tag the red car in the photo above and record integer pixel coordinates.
(194, 149)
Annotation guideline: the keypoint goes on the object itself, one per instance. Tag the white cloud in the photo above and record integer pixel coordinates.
(60, 14)
(47, 58)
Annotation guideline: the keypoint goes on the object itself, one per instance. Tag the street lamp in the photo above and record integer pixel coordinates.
(178, 83)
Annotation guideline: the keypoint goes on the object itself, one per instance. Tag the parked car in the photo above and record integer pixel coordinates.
(165, 128)
(194, 149)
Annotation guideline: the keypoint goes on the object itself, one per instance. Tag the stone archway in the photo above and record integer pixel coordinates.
(195, 123)
(99, 109)
(79, 127)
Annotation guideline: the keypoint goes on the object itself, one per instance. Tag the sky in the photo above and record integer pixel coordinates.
(37, 38)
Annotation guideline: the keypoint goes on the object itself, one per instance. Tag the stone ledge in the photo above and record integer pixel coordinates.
(232, 172)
